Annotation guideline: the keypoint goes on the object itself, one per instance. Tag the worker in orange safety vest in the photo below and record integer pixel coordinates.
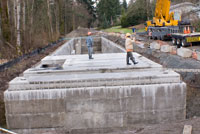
(129, 49)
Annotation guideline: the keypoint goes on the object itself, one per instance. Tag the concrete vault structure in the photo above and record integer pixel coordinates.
(67, 92)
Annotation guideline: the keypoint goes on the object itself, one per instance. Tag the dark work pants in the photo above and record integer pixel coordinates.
(130, 55)
(90, 51)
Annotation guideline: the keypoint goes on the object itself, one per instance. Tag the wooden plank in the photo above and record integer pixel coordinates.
(187, 129)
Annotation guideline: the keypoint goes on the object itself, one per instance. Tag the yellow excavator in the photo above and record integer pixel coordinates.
(163, 17)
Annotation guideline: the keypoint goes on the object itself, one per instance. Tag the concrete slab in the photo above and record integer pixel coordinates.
(155, 45)
(165, 48)
(97, 107)
(109, 61)
(94, 79)
(81, 64)
(184, 52)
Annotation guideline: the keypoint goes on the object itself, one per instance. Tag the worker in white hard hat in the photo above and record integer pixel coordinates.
(129, 49)
(89, 42)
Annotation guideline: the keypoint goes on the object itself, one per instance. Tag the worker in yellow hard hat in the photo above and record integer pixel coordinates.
(129, 49)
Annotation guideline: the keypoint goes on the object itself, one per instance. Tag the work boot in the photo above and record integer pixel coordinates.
(91, 58)
(135, 62)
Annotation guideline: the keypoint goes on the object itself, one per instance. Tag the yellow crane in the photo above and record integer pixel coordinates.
(166, 24)
(163, 16)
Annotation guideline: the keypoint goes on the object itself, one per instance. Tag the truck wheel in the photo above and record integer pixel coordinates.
(174, 41)
(184, 43)
(178, 42)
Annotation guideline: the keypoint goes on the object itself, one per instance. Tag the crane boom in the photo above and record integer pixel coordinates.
(162, 9)
(162, 16)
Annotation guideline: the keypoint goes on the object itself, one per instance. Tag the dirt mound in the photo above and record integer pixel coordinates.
(140, 26)
(80, 32)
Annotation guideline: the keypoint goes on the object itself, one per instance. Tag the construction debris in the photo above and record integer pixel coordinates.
(187, 129)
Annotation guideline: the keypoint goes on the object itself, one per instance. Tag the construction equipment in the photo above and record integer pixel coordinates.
(169, 25)
(162, 16)
(164, 22)
(186, 36)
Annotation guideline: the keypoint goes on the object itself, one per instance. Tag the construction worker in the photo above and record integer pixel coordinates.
(89, 42)
(129, 49)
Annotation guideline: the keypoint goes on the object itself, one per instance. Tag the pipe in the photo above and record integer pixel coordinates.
(7, 131)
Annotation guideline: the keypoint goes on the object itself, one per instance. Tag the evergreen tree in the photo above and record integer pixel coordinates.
(124, 4)
(137, 13)
(108, 11)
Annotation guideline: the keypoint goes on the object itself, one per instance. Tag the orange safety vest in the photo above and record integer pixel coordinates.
(129, 50)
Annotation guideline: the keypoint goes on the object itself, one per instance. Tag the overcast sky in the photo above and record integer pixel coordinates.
(126, 0)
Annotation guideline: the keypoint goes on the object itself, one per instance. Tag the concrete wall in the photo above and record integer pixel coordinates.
(100, 107)
(96, 46)
(110, 47)
(78, 46)
(65, 49)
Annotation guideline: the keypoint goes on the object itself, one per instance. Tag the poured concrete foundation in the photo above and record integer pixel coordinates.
(75, 94)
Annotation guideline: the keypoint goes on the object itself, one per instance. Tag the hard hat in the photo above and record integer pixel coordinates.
(89, 33)
(128, 35)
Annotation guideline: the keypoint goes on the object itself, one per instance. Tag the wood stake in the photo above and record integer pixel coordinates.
(187, 129)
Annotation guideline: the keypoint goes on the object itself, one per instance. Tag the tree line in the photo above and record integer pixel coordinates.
(29, 24)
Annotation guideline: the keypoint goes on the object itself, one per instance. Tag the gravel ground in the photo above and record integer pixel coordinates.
(163, 128)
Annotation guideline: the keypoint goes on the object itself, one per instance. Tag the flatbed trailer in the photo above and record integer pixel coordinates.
(162, 33)
(181, 39)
